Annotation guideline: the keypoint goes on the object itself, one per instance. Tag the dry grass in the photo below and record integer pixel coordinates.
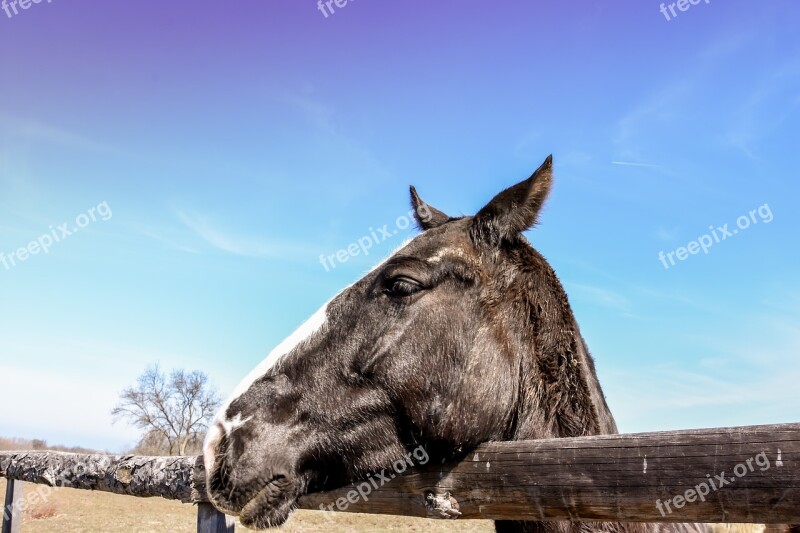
(42, 511)
(74, 511)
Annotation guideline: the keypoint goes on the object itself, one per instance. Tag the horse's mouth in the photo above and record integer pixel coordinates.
(270, 507)
(267, 509)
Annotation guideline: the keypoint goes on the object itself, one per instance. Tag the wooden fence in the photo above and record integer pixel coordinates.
(746, 474)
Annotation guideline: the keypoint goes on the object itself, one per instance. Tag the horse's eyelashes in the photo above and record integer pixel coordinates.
(402, 286)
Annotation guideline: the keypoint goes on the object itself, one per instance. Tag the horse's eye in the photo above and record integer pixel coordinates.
(402, 286)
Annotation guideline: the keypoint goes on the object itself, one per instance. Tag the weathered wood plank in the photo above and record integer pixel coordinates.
(13, 508)
(603, 478)
(168, 477)
(209, 520)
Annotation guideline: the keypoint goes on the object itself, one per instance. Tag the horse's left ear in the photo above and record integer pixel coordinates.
(516, 209)
(426, 216)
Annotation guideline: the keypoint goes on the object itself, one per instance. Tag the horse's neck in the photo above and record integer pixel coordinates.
(606, 423)
(560, 395)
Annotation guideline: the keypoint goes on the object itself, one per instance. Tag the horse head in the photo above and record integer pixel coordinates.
(464, 335)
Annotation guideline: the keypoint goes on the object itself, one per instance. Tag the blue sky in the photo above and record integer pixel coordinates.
(234, 144)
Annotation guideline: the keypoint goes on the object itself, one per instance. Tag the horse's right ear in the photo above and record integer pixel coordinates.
(426, 216)
(516, 209)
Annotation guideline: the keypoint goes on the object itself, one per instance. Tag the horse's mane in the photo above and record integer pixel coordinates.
(560, 395)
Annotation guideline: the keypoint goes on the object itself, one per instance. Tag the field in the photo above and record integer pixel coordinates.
(73, 511)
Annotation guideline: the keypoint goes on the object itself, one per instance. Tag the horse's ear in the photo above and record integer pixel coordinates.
(516, 209)
(426, 216)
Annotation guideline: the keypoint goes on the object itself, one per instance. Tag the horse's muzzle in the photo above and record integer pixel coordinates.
(260, 490)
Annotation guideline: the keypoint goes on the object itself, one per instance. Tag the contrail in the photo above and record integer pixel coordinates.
(625, 163)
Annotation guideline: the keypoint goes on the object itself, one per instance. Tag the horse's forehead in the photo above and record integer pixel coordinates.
(453, 252)
(450, 241)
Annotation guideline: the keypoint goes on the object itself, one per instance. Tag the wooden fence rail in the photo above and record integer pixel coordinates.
(746, 474)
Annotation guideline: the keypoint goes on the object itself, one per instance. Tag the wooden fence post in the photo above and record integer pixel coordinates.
(12, 509)
(209, 520)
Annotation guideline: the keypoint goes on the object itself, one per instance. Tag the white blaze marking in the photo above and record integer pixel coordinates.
(221, 423)
(213, 436)
(449, 253)
(237, 422)
(310, 327)
(304, 332)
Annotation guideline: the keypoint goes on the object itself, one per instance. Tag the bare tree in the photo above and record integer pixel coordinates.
(174, 409)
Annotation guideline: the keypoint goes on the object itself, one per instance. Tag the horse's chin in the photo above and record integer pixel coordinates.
(263, 513)
(271, 506)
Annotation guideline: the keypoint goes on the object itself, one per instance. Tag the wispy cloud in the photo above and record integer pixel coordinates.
(31, 130)
(771, 102)
(347, 147)
(169, 243)
(630, 164)
(638, 292)
(670, 102)
(657, 108)
(666, 235)
(236, 244)
(529, 144)
(748, 381)
(25, 142)
(600, 296)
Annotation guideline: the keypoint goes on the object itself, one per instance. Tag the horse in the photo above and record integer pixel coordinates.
(462, 336)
